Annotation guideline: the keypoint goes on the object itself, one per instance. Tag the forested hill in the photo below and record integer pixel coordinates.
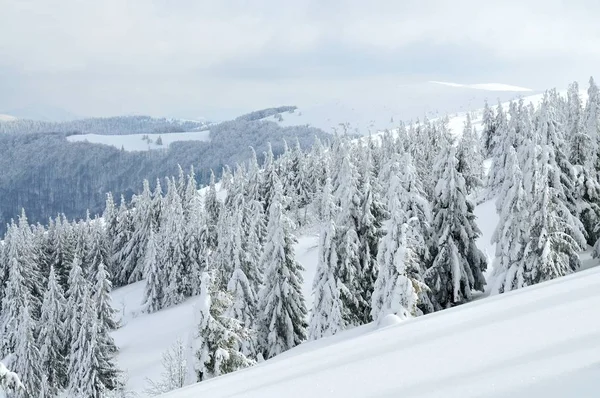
(117, 125)
(47, 175)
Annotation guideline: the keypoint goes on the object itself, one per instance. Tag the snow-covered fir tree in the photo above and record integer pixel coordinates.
(132, 264)
(326, 315)
(51, 336)
(105, 312)
(219, 339)
(458, 265)
(511, 233)
(470, 158)
(551, 250)
(92, 372)
(26, 361)
(172, 238)
(399, 281)
(282, 321)
(155, 274)
(488, 134)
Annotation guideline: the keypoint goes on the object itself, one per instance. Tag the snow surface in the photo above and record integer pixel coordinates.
(7, 118)
(542, 341)
(486, 86)
(134, 142)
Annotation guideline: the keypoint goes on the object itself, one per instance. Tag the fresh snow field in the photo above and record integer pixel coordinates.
(542, 341)
(134, 142)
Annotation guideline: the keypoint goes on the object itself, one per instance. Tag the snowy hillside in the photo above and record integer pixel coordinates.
(141, 347)
(137, 142)
(538, 342)
(144, 337)
(431, 99)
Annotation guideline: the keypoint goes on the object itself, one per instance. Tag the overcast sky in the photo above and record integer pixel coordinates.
(191, 58)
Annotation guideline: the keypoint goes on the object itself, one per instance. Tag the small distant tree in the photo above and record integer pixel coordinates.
(159, 140)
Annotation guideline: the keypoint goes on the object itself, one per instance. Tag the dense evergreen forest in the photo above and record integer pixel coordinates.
(397, 236)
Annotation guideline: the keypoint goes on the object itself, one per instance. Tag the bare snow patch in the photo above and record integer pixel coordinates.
(485, 86)
(138, 142)
(7, 118)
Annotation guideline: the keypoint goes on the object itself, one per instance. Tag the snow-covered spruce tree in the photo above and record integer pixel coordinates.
(470, 158)
(243, 293)
(219, 339)
(212, 206)
(96, 249)
(155, 275)
(317, 167)
(26, 362)
(124, 231)
(15, 298)
(51, 336)
(458, 265)
(428, 140)
(591, 119)
(269, 179)
(132, 265)
(194, 247)
(560, 173)
(505, 137)
(581, 148)
(347, 241)
(326, 315)
(255, 229)
(104, 310)
(511, 233)
(399, 280)
(418, 213)
(21, 247)
(75, 296)
(370, 232)
(111, 230)
(92, 372)
(63, 243)
(551, 250)
(488, 135)
(172, 237)
(282, 321)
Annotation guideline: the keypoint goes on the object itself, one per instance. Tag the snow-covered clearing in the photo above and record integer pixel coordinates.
(134, 142)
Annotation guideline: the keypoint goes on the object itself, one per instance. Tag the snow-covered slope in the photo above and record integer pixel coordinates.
(135, 142)
(144, 337)
(7, 118)
(473, 350)
(403, 102)
(542, 341)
